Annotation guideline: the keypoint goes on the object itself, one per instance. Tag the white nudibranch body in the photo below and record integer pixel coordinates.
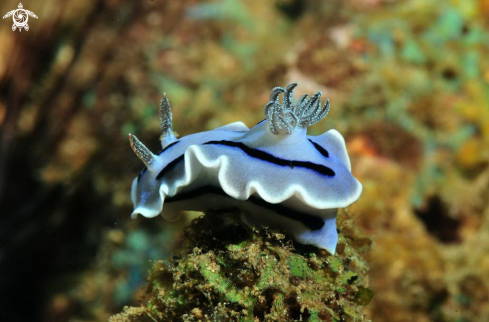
(274, 172)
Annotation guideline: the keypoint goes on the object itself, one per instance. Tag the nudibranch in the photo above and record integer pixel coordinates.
(274, 173)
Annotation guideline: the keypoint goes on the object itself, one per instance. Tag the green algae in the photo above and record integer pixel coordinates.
(335, 264)
(298, 267)
(228, 272)
(363, 296)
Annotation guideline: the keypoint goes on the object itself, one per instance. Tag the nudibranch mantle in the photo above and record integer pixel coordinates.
(274, 172)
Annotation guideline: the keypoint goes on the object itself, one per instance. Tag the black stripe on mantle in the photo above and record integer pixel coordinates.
(168, 146)
(310, 221)
(261, 155)
(320, 149)
(264, 156)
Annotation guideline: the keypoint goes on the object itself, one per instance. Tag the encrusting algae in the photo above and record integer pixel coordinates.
(226, 271)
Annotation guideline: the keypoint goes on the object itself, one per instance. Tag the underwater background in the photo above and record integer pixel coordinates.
(408, 82)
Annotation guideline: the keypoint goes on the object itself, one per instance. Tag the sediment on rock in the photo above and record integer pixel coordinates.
(229, 272)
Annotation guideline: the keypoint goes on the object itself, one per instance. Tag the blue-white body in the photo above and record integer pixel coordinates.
(285, 179)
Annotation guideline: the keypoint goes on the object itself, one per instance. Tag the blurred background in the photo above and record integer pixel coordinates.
(408, 82)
